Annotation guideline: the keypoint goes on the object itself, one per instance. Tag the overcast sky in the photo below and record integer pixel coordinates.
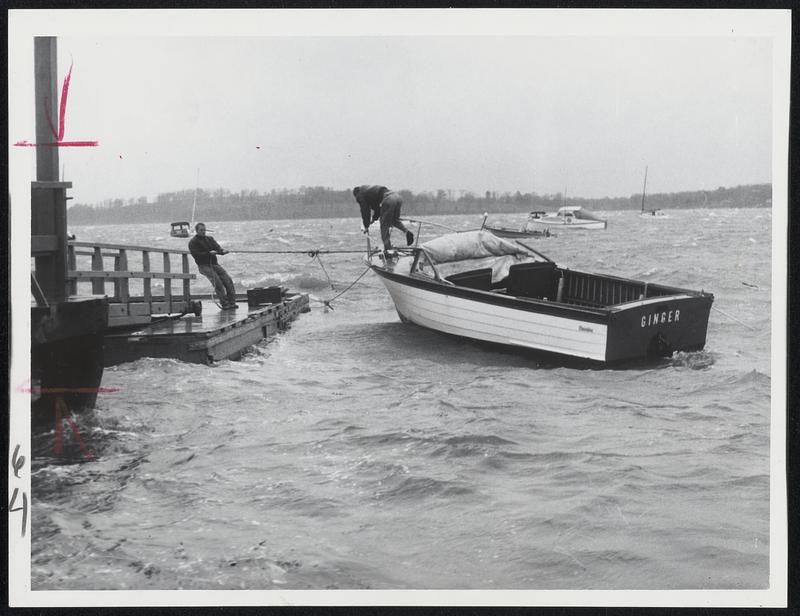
(544, 112)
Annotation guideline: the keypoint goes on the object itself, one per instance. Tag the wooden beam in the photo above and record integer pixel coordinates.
(115, 275)
(82, 244)
(167, 282)
(43, 243)
(47, 105)
(146, 282)
(98, 287)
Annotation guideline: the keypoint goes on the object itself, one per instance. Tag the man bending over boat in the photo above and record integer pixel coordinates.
(205, 249)
(384, 204)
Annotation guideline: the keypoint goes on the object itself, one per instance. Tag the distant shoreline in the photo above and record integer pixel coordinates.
(320, 202)
(356, 218)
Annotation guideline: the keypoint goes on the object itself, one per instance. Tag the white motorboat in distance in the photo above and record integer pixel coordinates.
(567, 217)
(483, 287)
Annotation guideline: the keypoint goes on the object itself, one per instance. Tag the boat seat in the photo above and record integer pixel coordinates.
(534, 280)
(480, 279)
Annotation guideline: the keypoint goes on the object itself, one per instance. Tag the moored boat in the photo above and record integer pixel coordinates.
(479, 286)
(567, 217)
(516, 233)
(653, 213)
(179, 229)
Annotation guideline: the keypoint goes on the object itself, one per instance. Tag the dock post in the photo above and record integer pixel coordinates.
(48, 195)
(148, 297)
(167, 284)
(122, 290)
(187, 290)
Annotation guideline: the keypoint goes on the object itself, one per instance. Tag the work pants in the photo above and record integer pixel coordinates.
(390, 217)
(223, 285)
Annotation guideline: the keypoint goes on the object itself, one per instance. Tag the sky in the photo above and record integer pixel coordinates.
(543, 106)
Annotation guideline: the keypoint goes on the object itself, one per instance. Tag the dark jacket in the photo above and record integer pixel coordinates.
(369, 198)
(200, 246)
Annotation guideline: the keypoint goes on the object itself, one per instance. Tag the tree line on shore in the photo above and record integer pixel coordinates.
(324, 202)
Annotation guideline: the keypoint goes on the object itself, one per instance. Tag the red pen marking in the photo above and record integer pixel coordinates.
(62, 115)
(62, 408)
(86, 453)
(62, 111)
(68, 390)
(58, 144)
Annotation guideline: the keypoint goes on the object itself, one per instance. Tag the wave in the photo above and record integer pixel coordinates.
(697, 360)
(419, 488)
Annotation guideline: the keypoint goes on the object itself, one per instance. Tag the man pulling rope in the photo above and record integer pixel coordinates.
(205, 249)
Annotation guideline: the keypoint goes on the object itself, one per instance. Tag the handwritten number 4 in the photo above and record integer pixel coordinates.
(23, 508)
(17, 462)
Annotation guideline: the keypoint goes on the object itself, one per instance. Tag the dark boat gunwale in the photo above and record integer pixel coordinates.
(596, 314)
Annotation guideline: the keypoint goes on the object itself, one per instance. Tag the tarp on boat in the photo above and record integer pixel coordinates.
(469, 245)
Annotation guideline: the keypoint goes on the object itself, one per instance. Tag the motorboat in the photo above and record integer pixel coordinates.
(179, 229)
(483, 287)
(567, 217)
(516, 233)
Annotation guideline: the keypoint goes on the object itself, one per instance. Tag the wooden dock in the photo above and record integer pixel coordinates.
(213, 335)
(147, 317)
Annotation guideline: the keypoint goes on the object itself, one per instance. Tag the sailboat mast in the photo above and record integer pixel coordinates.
(194, 201)
(644, 187)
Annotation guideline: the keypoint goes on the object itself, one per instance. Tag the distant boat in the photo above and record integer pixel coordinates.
(524, 232)
(649, 213)
(179, 229)
(567, 217)
(516, 233)
(182, 228)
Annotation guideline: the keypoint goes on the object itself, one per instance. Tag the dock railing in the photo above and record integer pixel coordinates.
(142, 279)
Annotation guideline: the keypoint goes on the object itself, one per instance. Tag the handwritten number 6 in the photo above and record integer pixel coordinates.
(17, 462)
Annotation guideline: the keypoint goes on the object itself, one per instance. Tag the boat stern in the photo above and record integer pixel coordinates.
(658, 327)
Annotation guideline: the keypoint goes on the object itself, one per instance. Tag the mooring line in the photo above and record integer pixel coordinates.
(311, 253)
(338, 295)
(730, 316)
(322, 265)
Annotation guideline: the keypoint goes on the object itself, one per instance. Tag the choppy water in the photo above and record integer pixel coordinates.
(357, 452)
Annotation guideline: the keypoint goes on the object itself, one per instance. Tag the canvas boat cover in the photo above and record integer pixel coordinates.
(469, 245)
(458, 252)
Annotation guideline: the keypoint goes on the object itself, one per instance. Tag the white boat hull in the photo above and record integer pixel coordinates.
(498, 324)
(542, 224)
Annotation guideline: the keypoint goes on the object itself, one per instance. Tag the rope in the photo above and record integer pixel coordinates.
(734, 318)
(428, 222)
(319, 260)
(311, 253)
(327, 302)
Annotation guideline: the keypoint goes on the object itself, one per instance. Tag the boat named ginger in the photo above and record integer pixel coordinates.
(483, 287)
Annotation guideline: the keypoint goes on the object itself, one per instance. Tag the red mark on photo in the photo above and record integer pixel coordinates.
(62, 412)
(62, 114)
(67, 390)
